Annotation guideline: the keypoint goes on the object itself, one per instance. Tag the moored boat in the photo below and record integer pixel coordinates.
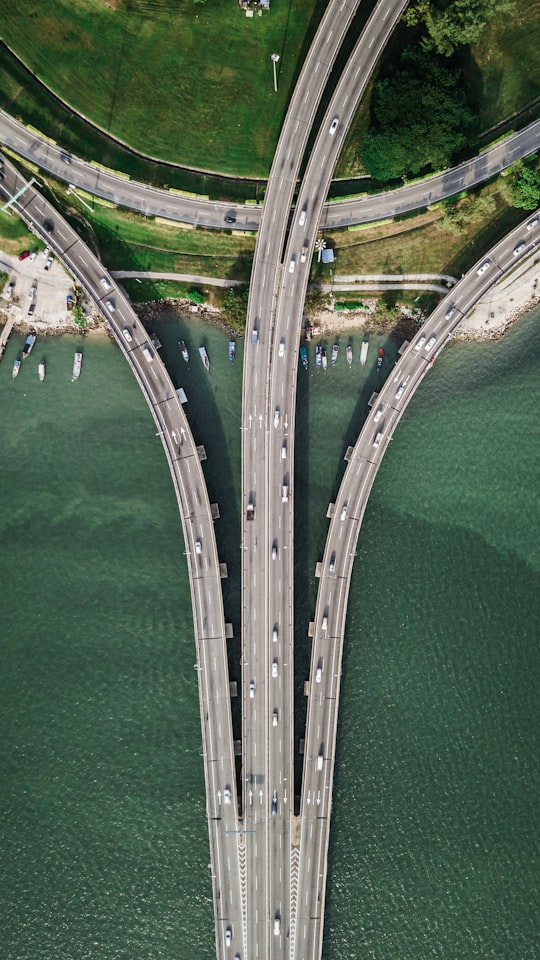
(304, 357)
(232, 350)
(349, 354)
(324, 360)
(30, 341)
(204, 357)
(183, 350)
(380, 358)
(41, 371)
(335, 351)
(363, 352)
(318, 357)
(16, 368)
(77, 364)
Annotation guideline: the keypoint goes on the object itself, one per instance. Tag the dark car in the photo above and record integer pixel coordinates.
(24, 254)
(48, 225)
(230, 219)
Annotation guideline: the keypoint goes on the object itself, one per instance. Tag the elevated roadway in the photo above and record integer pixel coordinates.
(197, 523)
(346, 518)
(156, 202)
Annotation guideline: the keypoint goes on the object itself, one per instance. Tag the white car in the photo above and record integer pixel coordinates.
(420, 343)
(105, 283)
(110, 305)
(281, 350)
(227, 794)
(275, 717)
(333, 126)
(284, 451)
(147, 351)
(198, 546)
(251, 689)
(9, 289)
(532, 223)
(324, 624)
(32, 256)
(127, 334)
(292, 265)
(302, 218)
(450, 312)
(332, 564)
(276, 417)
(483, 267)
(32, 292)
(344, 511)
(303, 255)
(48, 263)
(274, 551)
(228, 937)
(430, 343)
(521, 246)
(378, 414)
(275, 634)
(277, 925)
(399, 391)
(318, 675)
(274, 667)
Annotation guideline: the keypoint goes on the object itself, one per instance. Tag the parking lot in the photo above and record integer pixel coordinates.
(46, 308)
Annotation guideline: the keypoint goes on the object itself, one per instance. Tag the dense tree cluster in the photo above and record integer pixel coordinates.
(420, 117)
(525, 187)
(450, 23)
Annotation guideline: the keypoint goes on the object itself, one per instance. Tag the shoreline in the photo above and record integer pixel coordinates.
(504, 304)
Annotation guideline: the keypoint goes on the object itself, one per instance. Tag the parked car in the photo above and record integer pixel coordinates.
(24, 254)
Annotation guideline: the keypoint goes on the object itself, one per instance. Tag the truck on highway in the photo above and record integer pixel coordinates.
(250, 512)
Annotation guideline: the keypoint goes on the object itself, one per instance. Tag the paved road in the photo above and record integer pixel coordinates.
(163, 203)
(202, 559)
(336, 569)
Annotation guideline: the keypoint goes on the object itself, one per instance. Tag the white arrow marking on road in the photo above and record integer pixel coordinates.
(183, 434)
(319, 797)
(309, 797)
(261, 796)
(250, 795)
(250, 418)
(219, 797)
(285, 797)
(260, 419)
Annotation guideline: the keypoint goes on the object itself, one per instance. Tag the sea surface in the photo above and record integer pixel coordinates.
(435, 836)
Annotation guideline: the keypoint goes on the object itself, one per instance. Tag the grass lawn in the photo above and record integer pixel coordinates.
(189, 83)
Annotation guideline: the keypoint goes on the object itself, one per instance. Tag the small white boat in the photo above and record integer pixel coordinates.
(16, 368)
(77, 364)
(349, 354)
(41, 371)
(363, 352)
(204, 357)
(183, 350)
(30, 341)
(324, 359)
(335, 351)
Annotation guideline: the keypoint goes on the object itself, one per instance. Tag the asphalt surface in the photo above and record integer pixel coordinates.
(156, 202)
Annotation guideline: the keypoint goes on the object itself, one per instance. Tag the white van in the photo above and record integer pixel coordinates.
(320, 757)
(284, 493)
(277, 925)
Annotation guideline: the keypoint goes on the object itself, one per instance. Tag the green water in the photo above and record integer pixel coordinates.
(434, 849)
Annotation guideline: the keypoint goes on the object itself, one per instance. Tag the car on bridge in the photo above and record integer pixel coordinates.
(332, 564)
(333, 126)
(483, 267)
(275, 634)
(450, 312)
(281, 351)
(430, 343)
(127, 334)
(251, 689)
(274, 550)
(275, 717)
(400, 390)
(227, 794)
(319, 670)
(228, 937)
(276, 417)
(275, 667)
(521, 246)
(302, 217)
(532, 223)
(274, 801)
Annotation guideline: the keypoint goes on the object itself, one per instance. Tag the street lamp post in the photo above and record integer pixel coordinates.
(275, 58)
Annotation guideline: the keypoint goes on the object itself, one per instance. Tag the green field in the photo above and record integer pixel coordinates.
(188, 83)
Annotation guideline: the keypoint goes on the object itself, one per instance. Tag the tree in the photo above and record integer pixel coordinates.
(234, 307)
(420, 117)
(451, 24)
(195, 296)
(525, 189)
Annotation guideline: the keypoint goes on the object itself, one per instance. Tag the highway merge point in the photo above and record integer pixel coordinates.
(223, 572)
(214, 507)
(201, 452)
(229, 633)
(318, 570)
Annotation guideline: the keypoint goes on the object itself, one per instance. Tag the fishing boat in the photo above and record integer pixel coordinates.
(16, 368)
(304, 357)
(183, 350)
(30, 341)
(363, 352)
(41, 371)
(349, 354)
(380, 358)
(77, 364)
(204, 358)
(335, 351)
(232, 350)
(324, 360)
(318, 357)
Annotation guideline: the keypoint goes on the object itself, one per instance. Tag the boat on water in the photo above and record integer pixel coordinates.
(349, 354)
(77, 364)
(363, 352)
(183, 350)
(304, 357)
(30, 341)
(232, 350)
(41, 371)
(16, 368)
(204, 358)
(380, 358)
(318, 357)
(324, 359)
(335, 351)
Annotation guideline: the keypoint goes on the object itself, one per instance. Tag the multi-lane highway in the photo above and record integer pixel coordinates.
(202, 558)
(336, 568)
(156, 202)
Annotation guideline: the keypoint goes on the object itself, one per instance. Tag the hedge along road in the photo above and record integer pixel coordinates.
(156, 202)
